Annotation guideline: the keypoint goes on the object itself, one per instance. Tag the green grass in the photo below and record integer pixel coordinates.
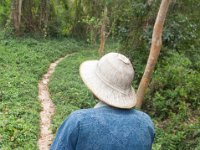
(69, 93)
(22, 63)
(67, 89)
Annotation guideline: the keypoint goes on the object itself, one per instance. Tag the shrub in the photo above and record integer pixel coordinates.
(173, 101)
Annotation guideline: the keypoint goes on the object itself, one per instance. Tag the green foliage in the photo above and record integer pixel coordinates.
(22, 63)
(173, 95)
(175, 86)
(175, 115)
(173, 100)
(93, 25)
(67, 89)
(4, 11)
(68, 92)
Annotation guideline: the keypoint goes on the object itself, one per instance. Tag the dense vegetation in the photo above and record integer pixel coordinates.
(22, 63)
(177, 127)
(68, 91)
(172, 99)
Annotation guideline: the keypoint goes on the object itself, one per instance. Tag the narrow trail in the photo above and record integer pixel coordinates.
(48, 108)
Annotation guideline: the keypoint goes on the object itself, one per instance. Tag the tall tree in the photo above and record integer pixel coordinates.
(154, 51)
(28, 16)
(16, 12)
(44, 15)
(77, 28)
(103, 35)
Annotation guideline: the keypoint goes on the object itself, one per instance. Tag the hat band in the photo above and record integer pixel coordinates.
(104, 80)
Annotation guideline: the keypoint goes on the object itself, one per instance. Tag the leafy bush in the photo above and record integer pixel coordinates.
(174, 86)
(173, 99)
(22, 63)
(175, 115)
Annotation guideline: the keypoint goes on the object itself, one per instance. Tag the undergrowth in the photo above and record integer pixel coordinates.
(177, 131)
(172, 99)
(66, 87)
(22, 63)
(68, 92)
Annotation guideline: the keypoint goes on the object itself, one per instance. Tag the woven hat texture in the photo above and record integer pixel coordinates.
(110, 79)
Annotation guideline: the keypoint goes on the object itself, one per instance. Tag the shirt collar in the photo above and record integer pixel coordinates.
(100, 104)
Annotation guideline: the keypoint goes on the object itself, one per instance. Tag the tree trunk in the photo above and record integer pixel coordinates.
(28, 19)
(103, 32)
(154, 51)
(16, 12)
(44, 15)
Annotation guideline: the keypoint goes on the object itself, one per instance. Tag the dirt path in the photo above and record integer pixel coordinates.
(48, 108)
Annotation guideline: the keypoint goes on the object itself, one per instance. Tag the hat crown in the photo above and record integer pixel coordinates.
(116, 70)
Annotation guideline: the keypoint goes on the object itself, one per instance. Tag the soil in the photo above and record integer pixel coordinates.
(48, 108)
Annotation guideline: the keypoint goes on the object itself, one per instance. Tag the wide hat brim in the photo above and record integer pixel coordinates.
(103, 91)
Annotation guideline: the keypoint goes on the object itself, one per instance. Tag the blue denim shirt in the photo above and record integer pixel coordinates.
(105, 128)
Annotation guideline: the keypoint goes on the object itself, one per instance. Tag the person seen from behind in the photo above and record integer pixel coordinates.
(112, 124)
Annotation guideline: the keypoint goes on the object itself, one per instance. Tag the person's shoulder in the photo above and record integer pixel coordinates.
(82, 113)
(143, 116)
(141, 113)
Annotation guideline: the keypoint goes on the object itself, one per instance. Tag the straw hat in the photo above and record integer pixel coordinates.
(110, 79)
